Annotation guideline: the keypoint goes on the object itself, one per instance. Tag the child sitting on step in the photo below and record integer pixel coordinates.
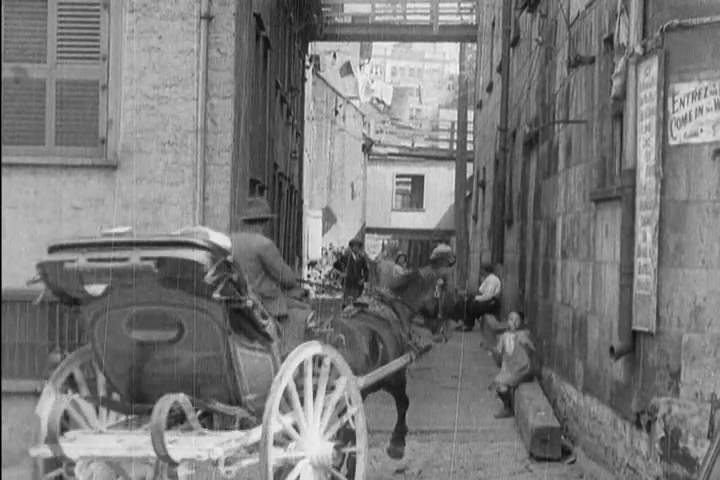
(513, 355)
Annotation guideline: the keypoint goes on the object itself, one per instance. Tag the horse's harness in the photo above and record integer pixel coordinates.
(391, 300)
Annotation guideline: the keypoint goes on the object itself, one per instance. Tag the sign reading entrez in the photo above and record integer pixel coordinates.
(694, 112)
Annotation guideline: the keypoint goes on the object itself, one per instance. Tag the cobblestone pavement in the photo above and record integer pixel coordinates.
(453, 434)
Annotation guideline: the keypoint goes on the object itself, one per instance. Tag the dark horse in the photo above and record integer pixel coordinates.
(369, 338)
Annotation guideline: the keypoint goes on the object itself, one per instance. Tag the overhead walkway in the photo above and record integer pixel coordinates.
(399, 21)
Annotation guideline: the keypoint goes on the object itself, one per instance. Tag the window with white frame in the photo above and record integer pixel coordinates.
(54, 77)
(409, 192)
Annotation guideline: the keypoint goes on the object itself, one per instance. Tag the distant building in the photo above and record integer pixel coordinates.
(335, 169)
(410, 201)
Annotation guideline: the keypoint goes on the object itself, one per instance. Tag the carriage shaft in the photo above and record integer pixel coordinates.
(197, 446)
(386, 370)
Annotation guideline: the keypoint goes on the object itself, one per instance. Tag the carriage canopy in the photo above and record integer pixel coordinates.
(81, 270)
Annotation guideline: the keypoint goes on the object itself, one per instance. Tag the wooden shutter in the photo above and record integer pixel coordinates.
(80, 51)
(55, 76)
(25, 24)
(79, 31)
(23, 112)
(25, 59)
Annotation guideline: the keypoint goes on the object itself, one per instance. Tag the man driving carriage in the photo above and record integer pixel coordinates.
(271, 278)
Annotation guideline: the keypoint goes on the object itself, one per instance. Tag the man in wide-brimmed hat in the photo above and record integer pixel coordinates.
(270, 277)
(353, 266)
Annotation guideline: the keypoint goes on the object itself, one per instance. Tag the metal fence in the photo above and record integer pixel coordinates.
(32, 331)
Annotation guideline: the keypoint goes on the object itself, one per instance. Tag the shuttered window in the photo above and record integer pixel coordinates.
(54, 77)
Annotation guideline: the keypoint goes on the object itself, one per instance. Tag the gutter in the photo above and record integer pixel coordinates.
(201, 109)
(498, 246)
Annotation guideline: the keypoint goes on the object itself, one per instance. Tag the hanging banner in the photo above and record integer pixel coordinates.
(693, 111)
(374, 244)
(647, 187)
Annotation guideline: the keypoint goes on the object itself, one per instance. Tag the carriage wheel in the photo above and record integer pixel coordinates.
(80, 384)
(314, 422)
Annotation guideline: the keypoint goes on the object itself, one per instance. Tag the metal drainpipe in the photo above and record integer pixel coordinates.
(499, 244)
(201, 107)
(626, 338)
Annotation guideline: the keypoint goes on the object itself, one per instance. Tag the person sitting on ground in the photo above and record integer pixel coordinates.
(488, 300)
(271, 279)
(513, 355)
(353, 266)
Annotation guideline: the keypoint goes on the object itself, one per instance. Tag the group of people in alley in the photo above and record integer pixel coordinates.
(276, 286)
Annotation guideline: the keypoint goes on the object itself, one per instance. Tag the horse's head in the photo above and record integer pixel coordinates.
(429, 291)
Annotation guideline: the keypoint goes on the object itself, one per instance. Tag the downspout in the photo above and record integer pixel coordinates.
(201, 108)
(482, 185)
(499, 243)
(626, 336)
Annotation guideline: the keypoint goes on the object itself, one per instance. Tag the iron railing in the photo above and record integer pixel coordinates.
(33, 332)
(400, 12)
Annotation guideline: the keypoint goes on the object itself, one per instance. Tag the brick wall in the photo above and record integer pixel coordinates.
(562, 247)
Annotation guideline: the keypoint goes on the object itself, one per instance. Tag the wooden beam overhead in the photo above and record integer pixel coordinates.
(390, 32)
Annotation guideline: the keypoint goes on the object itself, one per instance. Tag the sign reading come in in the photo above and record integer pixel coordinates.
(694, 112)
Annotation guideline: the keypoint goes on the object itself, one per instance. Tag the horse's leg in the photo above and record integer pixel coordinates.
(397, 387)
(347, 435)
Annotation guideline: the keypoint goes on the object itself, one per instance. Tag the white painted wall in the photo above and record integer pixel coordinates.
(439, 194)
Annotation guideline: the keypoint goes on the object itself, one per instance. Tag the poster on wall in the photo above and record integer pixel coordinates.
(650, 76)
(374, 244)
(693, 112)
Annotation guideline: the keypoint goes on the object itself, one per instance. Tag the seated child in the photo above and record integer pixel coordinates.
(513, 355)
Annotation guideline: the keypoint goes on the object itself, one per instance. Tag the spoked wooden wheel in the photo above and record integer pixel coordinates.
(72, 401)
(314, 422)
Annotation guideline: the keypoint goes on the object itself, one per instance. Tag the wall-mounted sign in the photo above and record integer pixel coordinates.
(693, 110)
(374, 244)
(647, 184)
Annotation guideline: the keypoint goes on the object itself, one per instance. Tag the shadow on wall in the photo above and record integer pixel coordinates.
(329, 219)
(447, 221)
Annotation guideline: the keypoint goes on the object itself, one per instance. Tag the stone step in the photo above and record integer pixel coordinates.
(538, 426)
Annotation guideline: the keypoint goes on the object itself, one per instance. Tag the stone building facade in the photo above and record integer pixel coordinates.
(154, 115)
(633, 374)
(155, 164)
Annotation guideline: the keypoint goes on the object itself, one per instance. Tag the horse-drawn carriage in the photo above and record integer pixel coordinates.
(181, 373)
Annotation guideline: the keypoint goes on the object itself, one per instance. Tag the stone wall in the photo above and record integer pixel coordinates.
(485, 124)
(562, 247)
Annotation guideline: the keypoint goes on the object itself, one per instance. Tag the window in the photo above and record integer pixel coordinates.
(393, 72)
(259, 162)
(409, 192)
(54, 77)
